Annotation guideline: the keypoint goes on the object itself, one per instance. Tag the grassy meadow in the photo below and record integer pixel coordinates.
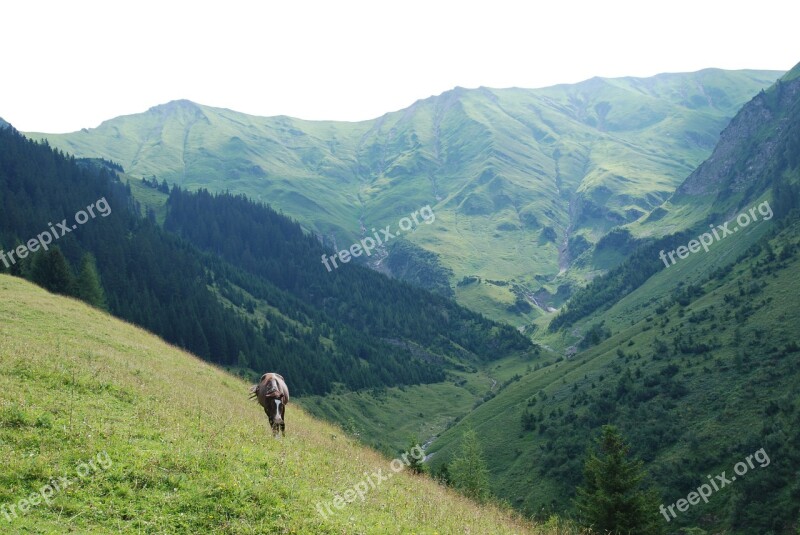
(187, 452)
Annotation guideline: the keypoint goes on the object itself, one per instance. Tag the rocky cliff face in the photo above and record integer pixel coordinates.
(748, 144)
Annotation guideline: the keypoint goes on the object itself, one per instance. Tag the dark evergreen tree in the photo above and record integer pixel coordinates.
(415, 464)
(613, 498)
(51, 270)
(87, 286)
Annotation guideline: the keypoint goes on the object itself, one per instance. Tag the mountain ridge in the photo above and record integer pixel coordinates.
(456, 90)
(537, 174)
(719, 172)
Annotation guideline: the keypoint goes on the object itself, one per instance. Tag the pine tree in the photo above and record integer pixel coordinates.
(613, 499)
(415, 464)
(468, 471)
(20, 268)
(88, 286)
(51, 270)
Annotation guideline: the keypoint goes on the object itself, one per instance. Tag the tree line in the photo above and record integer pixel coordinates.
(198, 283)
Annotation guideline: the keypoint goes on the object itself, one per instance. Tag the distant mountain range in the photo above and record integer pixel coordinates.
(523, 181)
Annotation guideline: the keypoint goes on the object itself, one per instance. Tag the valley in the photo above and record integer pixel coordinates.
(533, 311)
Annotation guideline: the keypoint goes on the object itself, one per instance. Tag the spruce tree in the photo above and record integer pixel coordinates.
(416, 465)
(21, 267)
(468, 471)
(88, 286)
(51, 270)
(613, 499)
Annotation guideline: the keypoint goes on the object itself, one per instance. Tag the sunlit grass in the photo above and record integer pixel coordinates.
(189, 452)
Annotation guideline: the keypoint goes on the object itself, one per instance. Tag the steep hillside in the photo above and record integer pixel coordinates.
(522, 181)
(697, 375)
(757, 158)
(754, 151)
(136, 436)
(696, 360)
(241, 286)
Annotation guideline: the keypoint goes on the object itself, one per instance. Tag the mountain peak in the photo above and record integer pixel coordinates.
(4, 123)
(176, 105)
(747, 146)
(792, 74)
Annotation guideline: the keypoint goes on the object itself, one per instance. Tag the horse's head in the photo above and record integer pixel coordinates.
(273, 410)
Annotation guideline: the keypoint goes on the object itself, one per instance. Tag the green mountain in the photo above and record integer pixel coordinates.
(229, 279)
(522, 181)
(695, 361)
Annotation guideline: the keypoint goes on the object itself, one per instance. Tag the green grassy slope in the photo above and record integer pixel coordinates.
(150, 199)
(176, 445)
(513, 174)
(290, 313)
(387, 418)
(697, 364)
(701, 369)
(750, 156)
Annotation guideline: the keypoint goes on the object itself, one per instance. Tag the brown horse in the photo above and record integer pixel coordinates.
(272, 394)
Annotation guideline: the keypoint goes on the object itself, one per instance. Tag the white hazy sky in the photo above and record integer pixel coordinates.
(67, 65)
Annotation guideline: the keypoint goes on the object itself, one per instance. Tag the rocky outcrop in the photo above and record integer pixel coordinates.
(747, 145)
